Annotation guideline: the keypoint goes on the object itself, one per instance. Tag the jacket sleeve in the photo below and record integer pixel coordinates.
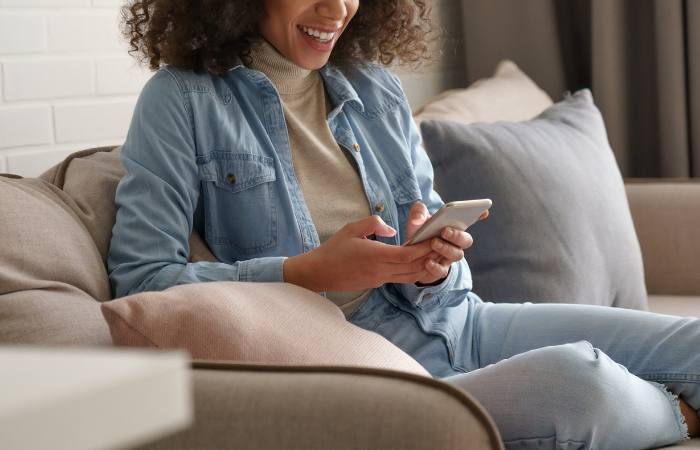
(459, 277)
(156, 200)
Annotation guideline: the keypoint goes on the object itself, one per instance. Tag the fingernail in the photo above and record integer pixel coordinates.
(448, 232)
(438, 244)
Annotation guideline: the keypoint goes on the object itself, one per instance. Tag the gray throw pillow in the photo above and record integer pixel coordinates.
(560, 228)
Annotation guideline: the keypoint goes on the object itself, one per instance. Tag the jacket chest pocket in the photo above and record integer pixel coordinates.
(240, 204)
(405, 190)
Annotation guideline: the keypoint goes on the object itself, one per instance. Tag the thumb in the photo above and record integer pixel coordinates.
(369, 226)
(417, 215)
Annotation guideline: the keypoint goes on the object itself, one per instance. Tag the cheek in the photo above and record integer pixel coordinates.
(277, 14)
(352, 7)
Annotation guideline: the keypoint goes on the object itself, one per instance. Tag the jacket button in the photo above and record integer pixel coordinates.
(356, 147)
(231, 178)
(379, 207)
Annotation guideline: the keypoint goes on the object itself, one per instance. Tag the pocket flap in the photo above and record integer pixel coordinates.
(237, 172)
(405, 189)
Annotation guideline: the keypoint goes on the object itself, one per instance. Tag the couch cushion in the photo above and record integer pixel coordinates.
(560, 228)
(90, 178)
(508, 95)
(667, 218)
(675, 305)
(691, 444)
(50, 269)
(686, 445)
(55, 314)
(271, 323)
(46, 240)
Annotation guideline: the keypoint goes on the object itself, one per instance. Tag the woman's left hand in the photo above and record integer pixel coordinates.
(447, 248)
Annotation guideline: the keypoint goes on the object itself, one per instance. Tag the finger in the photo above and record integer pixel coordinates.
(444, 261)
(447, 250)
(410, 267)
(432, 278)
(369, 226)
(408, 278)
(402, 254)
(484, 215)
(417, 215)
(436, 269)
(459, 238)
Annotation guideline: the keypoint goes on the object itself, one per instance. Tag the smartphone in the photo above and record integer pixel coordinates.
(460, 215)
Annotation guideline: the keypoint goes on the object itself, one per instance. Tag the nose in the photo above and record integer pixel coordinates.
(334, 10)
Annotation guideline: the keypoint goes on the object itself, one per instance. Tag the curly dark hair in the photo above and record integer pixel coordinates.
(207, 35)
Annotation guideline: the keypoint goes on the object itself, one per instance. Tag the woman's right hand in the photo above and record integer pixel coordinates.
(348, 261)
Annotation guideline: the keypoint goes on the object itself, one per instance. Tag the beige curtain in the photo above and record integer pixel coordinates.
(641, 59)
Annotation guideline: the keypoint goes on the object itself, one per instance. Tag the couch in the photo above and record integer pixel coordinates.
(256, 406)
(269, 406)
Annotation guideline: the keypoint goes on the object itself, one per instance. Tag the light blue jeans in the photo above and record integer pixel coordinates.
(564, 376)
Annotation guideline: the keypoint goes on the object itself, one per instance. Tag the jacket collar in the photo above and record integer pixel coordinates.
(340, 90)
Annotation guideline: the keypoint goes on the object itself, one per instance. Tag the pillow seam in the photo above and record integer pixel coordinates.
(131, 327)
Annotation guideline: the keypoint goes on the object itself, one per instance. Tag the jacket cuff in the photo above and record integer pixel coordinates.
(425, 297)
(269, 269)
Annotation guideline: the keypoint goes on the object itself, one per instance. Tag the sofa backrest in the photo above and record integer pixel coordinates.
(666, 215)
(51, 271)
(53, 264)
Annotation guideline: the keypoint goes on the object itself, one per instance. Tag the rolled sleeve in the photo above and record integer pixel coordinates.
(431, 297)
(268, 269)
(427, 295)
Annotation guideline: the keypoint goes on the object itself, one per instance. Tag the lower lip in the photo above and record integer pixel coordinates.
(315, 44)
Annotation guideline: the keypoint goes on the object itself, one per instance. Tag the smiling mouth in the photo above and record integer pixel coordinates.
(321, 36)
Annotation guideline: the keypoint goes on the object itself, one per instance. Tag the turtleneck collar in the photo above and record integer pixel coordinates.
(284, 74)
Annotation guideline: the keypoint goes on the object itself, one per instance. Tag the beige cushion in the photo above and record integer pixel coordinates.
(271, 323)
(56, 314)
(90, 178)
(50, 269)
(48, 240)
(509, 95)
(667, 219)
(675, 305)
(686, 445)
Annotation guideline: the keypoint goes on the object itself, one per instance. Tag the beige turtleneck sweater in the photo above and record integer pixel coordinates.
(328, 175)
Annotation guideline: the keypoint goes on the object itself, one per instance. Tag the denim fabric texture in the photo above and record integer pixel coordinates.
(565, 376)
(211, 154)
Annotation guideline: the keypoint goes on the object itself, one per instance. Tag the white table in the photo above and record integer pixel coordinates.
(91, 398)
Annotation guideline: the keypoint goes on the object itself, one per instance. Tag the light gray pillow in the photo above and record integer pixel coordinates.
(560, 228)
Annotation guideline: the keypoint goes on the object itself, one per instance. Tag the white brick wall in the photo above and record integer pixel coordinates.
(66, 81)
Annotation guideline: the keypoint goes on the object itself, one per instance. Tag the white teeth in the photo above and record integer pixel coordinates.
(320, 35)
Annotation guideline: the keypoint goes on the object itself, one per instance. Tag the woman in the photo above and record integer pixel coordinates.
(268, 130)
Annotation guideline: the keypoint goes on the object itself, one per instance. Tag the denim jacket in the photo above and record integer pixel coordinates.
(211, 153)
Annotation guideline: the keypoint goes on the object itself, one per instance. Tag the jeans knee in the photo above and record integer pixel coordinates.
(572, 393)
(589, 377)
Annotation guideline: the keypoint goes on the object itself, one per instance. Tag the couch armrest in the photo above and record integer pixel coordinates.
(267, 407)
(666, 214)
